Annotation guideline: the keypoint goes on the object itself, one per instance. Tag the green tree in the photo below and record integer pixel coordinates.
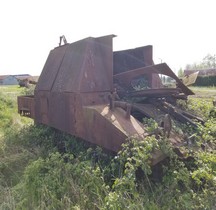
(208, 62)
(180, 73)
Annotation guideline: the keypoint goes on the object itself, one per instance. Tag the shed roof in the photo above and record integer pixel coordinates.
(2, 77)
(202, 72)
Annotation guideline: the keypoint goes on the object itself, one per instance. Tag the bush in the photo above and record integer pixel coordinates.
(205, 81)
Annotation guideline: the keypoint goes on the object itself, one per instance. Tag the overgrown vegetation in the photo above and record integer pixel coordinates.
(205, 81)
(42, 168)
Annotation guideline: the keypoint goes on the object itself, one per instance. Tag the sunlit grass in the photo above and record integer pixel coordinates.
(34, 176)
(10, 88)
(11, 91)
(9, 116)
(204, 92)
(203, 88)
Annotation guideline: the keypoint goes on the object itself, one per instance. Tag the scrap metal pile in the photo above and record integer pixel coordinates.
(102, 96)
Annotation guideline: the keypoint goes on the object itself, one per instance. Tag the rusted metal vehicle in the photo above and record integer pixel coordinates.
(101, 96)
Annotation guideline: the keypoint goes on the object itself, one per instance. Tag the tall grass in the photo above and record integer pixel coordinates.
(42, 168)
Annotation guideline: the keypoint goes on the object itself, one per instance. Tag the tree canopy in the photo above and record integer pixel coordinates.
(208, 62)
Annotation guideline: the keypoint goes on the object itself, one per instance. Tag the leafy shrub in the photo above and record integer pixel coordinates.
(205, 81)
(200, 107)
(54, 183)
(28, 90)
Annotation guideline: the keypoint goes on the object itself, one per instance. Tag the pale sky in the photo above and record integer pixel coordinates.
(181, 31)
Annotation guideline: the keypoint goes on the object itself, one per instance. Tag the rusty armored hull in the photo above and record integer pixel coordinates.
(101, 96)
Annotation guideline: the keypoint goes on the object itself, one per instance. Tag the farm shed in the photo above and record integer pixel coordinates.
(202, 72)
(8, 80)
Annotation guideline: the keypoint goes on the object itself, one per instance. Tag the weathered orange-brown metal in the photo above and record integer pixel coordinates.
(82, 87)
(152, 73)
(26, 106)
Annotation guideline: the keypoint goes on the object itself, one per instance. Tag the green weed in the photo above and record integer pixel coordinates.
(42, 168)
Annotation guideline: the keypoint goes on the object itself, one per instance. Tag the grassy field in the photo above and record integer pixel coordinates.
(8, 108)
(35, 173)
(204, 92)
(12, 91)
